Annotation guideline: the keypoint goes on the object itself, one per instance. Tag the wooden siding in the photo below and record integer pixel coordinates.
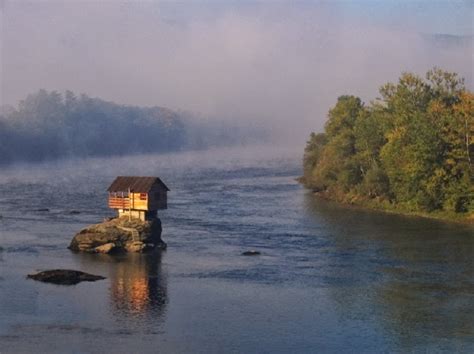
(119, 203)
(134, 202)
(154, 200)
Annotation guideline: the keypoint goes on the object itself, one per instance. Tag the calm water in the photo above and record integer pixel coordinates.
(330, 279)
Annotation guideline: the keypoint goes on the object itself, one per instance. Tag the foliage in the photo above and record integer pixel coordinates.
(49, 125)
(413, 147)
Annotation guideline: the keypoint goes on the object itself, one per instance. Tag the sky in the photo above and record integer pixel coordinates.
(279, 65)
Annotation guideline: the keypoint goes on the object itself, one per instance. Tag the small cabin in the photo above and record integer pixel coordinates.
(138, 197)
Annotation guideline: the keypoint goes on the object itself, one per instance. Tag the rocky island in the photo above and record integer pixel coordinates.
(119, 235)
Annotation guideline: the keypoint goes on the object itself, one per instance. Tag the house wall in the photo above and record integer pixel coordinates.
(157, 198)
(138, 201)
(138, 214)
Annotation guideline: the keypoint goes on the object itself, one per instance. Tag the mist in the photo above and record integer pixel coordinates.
(275, 66)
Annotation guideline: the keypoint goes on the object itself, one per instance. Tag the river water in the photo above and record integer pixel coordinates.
(329, 279)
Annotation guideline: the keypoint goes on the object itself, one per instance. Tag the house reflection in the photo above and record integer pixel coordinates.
(138, 286)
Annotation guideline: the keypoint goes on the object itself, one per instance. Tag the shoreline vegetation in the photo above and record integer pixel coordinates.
(361, 203)
(409, 152)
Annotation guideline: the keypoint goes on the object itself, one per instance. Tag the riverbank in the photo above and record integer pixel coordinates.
(379, 204)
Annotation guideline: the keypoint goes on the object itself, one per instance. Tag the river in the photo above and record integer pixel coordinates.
(329, 278)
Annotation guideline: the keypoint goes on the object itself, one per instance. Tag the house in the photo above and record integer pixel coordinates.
(138, 197)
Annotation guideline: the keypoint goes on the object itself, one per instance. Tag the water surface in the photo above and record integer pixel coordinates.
(330, 278)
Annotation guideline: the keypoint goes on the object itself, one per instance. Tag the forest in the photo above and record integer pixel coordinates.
(410, 150)
(48, 125)
(51, 125)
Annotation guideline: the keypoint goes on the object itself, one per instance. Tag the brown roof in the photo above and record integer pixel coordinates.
(136, 184)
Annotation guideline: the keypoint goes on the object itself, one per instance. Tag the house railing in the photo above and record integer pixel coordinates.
(119, 203)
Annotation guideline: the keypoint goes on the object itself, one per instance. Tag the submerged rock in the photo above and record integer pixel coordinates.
(64, 276)
(119, 235)
(107, 248)
(251, 253)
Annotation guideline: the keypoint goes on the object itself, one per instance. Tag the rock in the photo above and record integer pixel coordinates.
(151, 246)
(107, 248)
(135, 247)
(125, 235)
(64, 276)
(251, 253)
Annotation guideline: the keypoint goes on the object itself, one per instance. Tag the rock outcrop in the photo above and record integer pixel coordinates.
(64, 276)
(119, 235)
(251, 253)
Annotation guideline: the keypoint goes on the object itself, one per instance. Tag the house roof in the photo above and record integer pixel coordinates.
(135, 184)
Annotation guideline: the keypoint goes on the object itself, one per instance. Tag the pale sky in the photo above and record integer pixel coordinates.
(281, 64)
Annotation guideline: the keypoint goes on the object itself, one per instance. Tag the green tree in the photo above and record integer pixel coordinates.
(337, 167)
(413, 147)
(312, 155)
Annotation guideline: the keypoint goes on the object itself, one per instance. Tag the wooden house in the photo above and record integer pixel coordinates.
(138, 197)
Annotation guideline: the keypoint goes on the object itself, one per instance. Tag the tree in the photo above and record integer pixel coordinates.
(413, 147)
(312, 154)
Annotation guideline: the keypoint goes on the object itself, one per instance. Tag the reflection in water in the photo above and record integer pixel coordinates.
(416, 275)
(138, 287)
(437, 310)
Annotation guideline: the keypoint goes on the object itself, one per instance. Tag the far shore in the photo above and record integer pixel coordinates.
(373, 204)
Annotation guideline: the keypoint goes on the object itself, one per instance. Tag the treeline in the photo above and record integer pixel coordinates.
(50, 125)
(412, 149)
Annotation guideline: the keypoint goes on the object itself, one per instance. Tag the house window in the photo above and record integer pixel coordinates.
(142, 196)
